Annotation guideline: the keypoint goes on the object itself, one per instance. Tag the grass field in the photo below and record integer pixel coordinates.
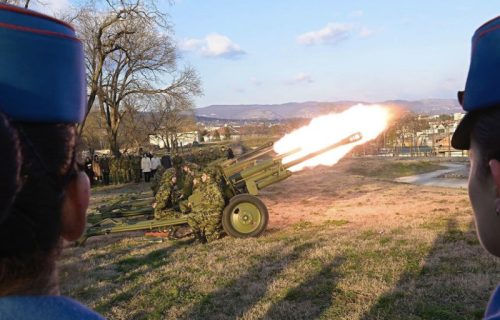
(342, 243)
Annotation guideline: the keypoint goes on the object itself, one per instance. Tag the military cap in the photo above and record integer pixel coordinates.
(482, 88)
(42, 73)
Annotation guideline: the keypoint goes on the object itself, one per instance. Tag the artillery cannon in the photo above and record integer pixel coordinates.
(244, 215)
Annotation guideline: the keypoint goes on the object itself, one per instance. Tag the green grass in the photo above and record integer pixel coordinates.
(392, 257)
(250, 143)
(306, 271)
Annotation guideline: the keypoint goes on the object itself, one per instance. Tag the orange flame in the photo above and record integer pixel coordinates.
(369, 120)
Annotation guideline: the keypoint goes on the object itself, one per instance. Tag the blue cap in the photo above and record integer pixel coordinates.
(482, 89)
(42, 73)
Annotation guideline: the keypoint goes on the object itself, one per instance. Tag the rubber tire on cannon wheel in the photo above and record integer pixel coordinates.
(245, 216)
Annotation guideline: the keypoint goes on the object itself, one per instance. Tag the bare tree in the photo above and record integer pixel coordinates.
(129, 53)
(171, 118)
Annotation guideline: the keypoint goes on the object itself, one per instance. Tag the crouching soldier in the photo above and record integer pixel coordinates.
(175, 187)
(206, 203)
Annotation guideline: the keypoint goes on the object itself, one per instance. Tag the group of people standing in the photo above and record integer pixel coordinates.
(103, 169)
(149, 165)
(127, 168)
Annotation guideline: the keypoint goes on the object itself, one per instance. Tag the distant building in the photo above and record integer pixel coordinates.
(183, 138)
(458, 116)
(234, 134)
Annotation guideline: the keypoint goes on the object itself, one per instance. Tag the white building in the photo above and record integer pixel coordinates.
(183, 138)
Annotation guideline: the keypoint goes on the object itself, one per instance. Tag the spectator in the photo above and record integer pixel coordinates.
(155, 163)
(146, 167)
(479, 132)
(166, 162)
(96, 168)
(229, 153)
(88, 169)
(43, 196)
(104, 163)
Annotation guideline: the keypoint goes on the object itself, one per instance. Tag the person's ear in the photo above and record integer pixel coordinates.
(74, 209)
(495, 173)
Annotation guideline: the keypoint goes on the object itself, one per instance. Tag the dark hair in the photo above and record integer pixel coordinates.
(37, 161)
(486, 134)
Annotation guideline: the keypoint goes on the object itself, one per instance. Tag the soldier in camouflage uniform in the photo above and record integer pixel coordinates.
(156, 181)
(197, 157)
(126, 163)
(136, 168)
(166, 195)
(206, 213)
(113, 170)
(176, 185)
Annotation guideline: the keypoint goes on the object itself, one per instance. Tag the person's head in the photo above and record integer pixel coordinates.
(205, 177)
(479, 132)
(177, 161)
(43, 198)
(209, 174)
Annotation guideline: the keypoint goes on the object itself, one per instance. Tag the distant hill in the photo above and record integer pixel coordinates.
(312, 109)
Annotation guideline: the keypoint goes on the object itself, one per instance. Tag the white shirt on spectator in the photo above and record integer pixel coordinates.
(145, 164)
(155, 163)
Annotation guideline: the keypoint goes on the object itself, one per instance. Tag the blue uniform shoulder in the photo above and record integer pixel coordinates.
(493, 309)
(44, 308)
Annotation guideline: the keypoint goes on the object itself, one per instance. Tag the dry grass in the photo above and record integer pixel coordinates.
(339, 246)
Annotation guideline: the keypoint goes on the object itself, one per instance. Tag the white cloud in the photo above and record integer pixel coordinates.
(213, 45)
(300, 78)
(365, 32)
(332, 33)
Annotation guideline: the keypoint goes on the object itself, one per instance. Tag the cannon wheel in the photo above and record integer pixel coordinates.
(245, 216)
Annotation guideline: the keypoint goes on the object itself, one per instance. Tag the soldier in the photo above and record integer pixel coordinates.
(190, 157)
(199, 158)
(165, 195)
(176, 184)
(113, 169)
(206, 212)
(104, 163)
(229, 153)
(211, 155)
(121, 170)
(187, 177)
(156, 181)
(158, 178)
(127, 164)
(136, 168)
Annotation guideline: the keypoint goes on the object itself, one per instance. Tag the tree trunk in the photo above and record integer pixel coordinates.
(114, 145)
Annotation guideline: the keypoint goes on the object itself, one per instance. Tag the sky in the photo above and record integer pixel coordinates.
(279, 51)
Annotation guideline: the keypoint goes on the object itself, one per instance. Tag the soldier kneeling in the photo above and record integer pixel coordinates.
(206, 204)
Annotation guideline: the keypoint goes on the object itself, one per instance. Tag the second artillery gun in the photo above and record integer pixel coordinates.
(244, 215)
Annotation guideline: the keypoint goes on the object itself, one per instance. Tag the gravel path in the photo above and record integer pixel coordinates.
(435, 178)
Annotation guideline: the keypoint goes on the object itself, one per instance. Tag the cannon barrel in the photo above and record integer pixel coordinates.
(350, 139)
(260, 151)
(273, 170)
